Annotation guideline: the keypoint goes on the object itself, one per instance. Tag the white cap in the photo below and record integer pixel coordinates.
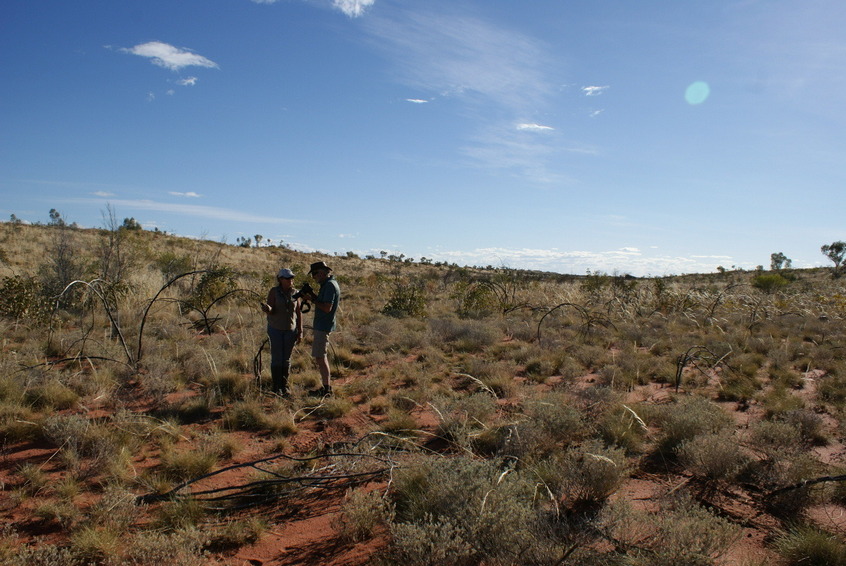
(285, 273)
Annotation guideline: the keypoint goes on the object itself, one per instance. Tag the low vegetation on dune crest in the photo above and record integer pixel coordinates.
(480, 415)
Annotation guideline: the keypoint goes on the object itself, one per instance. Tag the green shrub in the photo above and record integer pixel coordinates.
(586, 474)
(687, 418)
(712, 457)
(362, 512)
(681, 532)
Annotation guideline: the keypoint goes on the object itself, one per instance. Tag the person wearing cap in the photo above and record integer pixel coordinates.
(284, 328)
(326, 306)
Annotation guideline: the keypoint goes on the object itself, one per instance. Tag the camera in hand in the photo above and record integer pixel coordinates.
(306, 292)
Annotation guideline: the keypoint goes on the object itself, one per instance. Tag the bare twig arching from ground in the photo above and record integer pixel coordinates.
(588, 318)
(692, 355)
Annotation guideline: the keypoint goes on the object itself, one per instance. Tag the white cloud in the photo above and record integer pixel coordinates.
(265, 1)
(534, 127)
(191, 194)
(213, 212)
(500, 77)
(352, 8)
(102, 194)
(170, 57)
(416, 100)
(596, 113)
(623, 260)
(594, 90)
(190, 81)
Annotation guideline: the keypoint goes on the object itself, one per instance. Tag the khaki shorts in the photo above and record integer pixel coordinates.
(320, 343)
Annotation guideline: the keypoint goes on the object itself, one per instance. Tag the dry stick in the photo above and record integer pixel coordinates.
(805, 483)
(154, 497)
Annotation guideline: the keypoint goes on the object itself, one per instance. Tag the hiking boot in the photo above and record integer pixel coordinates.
(279, 374)
(325, 391)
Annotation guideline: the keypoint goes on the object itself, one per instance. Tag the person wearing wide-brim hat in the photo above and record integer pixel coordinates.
(284, 328)
(326, 306)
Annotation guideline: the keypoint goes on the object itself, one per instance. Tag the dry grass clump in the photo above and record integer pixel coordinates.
(463, 335)
(805, 545)
(251, 415)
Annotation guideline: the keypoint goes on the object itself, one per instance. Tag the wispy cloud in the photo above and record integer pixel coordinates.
(168, 56)
(623, 260)
(191, 194)
(594, 90)
(102, 194)
(416, 100)
(499, 76)
(352, 8)
(189, 81)
(534, 127)
(464, 56)
(212, 212)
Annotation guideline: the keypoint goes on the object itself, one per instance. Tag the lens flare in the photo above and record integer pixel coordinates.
(697, 93)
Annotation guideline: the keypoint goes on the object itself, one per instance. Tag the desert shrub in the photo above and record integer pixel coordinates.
(34, 479)
(407, 299)
(832, 389)
(738, 387)
(50, 394)
(461, 418)
(784, 464)
(399, 422)
(589, 473)
(712, 457)
(183, 547)
(623, 426)
(480, 512)
(331, 408)
(808, 546)
(431, 542)
(681, 532)
(550, 424)
(463, 335)
(22, 297)
(779, 401)
(18, 424)
(77, 435)
(362, 512)
(687, 418)
(44, 555)
(386, 333)
(235, 534)
(498, 376)
(179, 515)
(65, 513)
(172, 264)
(810, 425)
(185, 464)
(250, 415)
(94, 545)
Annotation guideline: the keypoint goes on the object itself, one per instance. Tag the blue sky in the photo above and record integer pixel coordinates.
(651, 138)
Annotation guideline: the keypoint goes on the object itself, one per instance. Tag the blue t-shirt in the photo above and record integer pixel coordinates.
(329, 292)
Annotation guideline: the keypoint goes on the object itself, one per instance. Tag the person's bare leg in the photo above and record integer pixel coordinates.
(325, 374)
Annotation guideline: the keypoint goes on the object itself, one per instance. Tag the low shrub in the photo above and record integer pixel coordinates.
(712, 457)
(687, 418)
